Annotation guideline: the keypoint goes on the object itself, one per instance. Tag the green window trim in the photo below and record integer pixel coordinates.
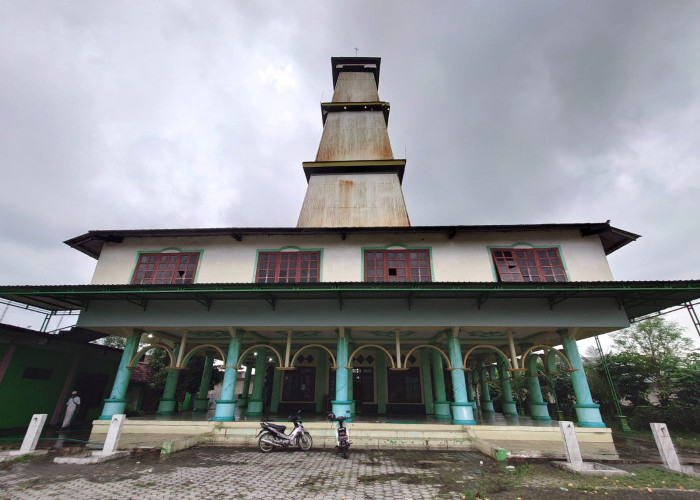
(516, 246)
(389, 247)
(287, 248)
(167, 250)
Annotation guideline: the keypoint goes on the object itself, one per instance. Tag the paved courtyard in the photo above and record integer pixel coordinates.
(235, 473)
(224, 472)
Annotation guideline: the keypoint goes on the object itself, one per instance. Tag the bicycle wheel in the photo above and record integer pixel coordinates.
(265, 447)
(304, 441)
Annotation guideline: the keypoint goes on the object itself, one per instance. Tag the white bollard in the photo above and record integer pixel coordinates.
(665, 446)
(115, 431)
(108, 452)
(31, 438)
(571, 446)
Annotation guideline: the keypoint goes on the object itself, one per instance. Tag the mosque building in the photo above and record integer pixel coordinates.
(355, 310)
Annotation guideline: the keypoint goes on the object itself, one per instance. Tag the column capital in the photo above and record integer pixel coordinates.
(569, 333)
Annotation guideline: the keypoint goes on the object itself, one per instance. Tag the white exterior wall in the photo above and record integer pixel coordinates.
(465, 258)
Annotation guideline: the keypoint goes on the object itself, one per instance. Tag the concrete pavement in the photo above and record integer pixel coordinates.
(209, 472)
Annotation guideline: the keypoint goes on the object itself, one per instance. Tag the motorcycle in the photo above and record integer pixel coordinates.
(273, 435)
(342, 436)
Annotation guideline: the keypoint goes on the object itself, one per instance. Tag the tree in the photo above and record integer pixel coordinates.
(685, 381)
(659, 347)
(630, 374)
(112, 341)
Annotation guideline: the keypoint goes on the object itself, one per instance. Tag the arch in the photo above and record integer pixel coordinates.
(447, 359)
(147, 348)
(393, 364)
(549, 360)
(496, 349)
(187, 357)
(240, 358)
(530, 364)
(335, 365)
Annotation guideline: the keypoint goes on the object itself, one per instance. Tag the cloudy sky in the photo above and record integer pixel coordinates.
(166, 114)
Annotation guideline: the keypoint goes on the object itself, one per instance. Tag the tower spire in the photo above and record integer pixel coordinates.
(355, 180)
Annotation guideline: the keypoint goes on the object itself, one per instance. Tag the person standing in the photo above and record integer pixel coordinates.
(72, 405)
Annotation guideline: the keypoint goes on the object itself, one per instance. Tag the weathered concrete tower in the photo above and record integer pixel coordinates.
(355, 180)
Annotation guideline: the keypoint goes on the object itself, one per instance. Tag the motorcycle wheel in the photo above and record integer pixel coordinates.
(344, 450)
(304, 441)
(265, 447)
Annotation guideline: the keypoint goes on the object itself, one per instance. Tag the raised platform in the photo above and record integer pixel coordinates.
(521, 441)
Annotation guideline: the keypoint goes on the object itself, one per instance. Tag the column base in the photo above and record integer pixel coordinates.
(112, 407)
(487, 406)
(600, 425)
(462, 413)
(342, 408)
(588, 415)
(166, 406)
(538, 411)
(622, 420)
(201, 404)
(255, 407)
(509, 408)
(442, 410)
(225, 409)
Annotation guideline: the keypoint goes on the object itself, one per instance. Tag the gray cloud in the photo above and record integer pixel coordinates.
(199, 114)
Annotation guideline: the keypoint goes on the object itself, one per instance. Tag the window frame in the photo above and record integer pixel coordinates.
(520, 247)
(166, 252)
(289, 250)
(403, 249)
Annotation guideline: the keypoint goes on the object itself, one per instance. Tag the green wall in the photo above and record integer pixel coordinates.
(22, 397)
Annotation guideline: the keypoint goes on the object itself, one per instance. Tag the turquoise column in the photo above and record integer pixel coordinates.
(351, 384)
(342, 406)
(116, 403)
(470, 389)
(587, 411)
(226, 406)
(538, 407)
(167, 403)
(442, 406)
(243, 402)
(255, 404)
(509, 406)
(427, 381)
(381, 382)
(202, 401)
(276, 388)
(321, 378)
(486, 401)
(462, 411)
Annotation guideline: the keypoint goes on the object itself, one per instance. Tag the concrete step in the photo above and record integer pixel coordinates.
(493, 440)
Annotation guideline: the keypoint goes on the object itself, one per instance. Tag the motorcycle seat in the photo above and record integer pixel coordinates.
(277, 427)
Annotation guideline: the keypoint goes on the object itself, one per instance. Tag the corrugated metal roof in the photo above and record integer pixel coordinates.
(638, 298)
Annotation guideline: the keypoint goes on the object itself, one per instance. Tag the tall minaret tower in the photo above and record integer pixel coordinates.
(355, 180)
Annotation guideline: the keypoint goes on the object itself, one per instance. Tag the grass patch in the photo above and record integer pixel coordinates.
(643, 479)
(21, 458)
(146, 485)
(27, 485)
(686, 439)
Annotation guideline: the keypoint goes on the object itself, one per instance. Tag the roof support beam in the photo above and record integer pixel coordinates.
(141, 302)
